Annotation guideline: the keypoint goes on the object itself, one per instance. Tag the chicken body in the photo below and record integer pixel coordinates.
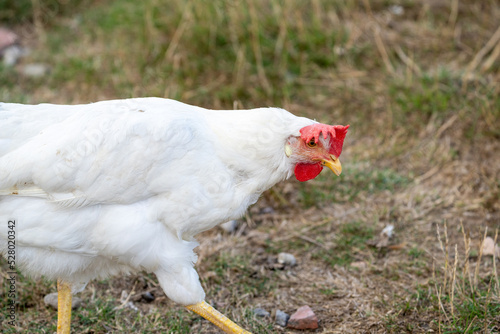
(125, 185)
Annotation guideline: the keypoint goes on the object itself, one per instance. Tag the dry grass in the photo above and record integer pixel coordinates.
(421, 92)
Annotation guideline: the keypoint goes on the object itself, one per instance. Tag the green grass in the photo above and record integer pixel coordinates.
(26, 11)
(430, 96)
(435, 97)
(355, 180)
(350, 238)
(475, 312)
(229, 268)
(464, 302)
(415, 253)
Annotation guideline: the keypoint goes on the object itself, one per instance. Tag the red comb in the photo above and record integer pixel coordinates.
(336, 132)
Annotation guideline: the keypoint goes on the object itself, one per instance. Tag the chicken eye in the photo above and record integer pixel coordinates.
(312, 143)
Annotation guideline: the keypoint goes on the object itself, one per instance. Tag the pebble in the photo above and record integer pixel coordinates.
(396, 10)
(388, 230)
(7, 38)
(35, 70)
(148, 296)
(359, 264)
(304, 318)
(281, 318)
(51, 300)
(489, 247)
(260, 312)
(11, 54)
(267, 209)
(287, 259)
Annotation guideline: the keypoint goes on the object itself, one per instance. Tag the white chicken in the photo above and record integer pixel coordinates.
(118, 186)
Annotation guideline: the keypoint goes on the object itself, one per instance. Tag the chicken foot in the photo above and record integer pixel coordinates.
(218, 319)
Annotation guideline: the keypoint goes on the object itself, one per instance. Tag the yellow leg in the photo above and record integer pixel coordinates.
(63, 307)
(218, 319)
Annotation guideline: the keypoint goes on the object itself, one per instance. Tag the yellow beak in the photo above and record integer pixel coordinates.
(333, 164)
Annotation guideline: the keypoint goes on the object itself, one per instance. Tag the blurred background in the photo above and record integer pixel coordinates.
(417, 80)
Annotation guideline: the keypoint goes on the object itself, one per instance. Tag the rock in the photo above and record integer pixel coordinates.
(385, 236)
(281, 318)
(388, 231)
(230, 226)
(382, 241)
(396, 10)
(304, 318)
(35, 70)
(489, 247)
(359, 264)
(10, 50)
(287, 259)
(7, 38)
(148, 297)
(12, 54)
(51, 300)
(267, 210)
(260, 312)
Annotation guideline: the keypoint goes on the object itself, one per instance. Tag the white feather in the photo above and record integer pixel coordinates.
(125, 185)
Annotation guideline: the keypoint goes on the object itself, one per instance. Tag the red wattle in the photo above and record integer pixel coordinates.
(305, 172)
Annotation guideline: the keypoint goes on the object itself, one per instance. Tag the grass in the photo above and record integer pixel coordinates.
(357, 181)
(351, 240)
(421, 92)
(465, 302)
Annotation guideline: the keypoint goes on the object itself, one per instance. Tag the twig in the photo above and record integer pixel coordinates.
(314, 242)
(37, 17)
(249, 220)
(472, 321)
(491, 59)
(126, 299)
(494, 264)
(441, 303)
(446, 125)
(476, 273)
(408, 61)
(174, 42)
(256, 47)
(467, 254)
(383, 52)
(494, 40)
(453, 282)
(242, 228)
(428, 174)
(368, 8)
(452, 20)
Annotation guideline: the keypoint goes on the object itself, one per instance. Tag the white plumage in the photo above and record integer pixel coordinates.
(125, 185)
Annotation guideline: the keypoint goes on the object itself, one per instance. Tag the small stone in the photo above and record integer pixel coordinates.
(489, 247)
(397, 10)
(267, 210)
(35, 70)
(359, 264)
(11, 54)
(287, 259)
(230, 226)
(7, 38)
(388, 231)
(260, 312)
(148, 297)
(51, 300)
(304, 318)
(281, 318)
